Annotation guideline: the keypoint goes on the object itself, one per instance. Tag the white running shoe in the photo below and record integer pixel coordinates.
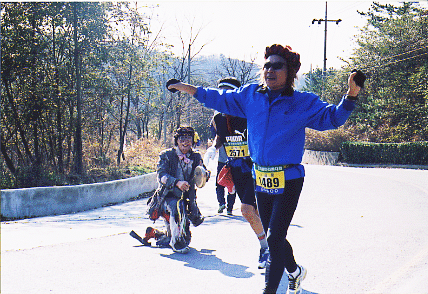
(294, 282)
(263, 257)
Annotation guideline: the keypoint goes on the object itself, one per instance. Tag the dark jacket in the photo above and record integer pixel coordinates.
(168, 166)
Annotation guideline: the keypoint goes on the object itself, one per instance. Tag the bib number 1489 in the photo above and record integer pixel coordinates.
(269, 182)
(270, 179)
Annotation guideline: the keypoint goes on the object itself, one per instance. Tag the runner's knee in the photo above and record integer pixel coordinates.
(248, 211)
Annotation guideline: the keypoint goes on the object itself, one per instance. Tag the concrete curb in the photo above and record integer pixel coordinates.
(44, 201)
(423, 167)
(331, 158)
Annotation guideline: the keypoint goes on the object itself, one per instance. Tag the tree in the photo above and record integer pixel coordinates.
(38, 78)
(78, 159)
(132, 55)
(393, 50)
(78, 81)
(245, 72)
(22, 78)
(181, 67)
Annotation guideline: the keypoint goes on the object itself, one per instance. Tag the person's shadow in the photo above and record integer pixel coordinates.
(206, 260)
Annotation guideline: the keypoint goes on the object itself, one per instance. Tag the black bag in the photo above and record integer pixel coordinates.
(154, 203)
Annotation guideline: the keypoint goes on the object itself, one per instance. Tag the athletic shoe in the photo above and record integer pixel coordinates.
(180, 246)
(198, 221)
(294, 282)
(182, 251)
(229, 212)
(263, 257)
(221, 208)
(177, 247)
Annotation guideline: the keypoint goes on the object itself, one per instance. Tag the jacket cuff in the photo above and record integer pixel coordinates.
(200, 94)
(348, 105)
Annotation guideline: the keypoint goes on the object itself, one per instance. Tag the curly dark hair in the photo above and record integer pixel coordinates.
(184, 131)
(292, 62)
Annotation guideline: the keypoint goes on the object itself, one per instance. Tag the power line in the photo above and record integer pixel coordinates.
(349, 7)
(394, 62)
(404, 53)
(385, 59)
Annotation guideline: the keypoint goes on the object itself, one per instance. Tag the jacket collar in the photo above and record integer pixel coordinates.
(263, 89)
(189, 155)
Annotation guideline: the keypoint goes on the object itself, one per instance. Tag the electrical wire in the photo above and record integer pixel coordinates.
(347, 8)
(386, 58)
(404, 53)
(398, 61)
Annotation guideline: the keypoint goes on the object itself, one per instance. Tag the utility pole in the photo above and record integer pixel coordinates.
(325, 20)
(188, 60)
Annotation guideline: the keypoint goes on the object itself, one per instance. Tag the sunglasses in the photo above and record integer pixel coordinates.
(274, 66)
(185, 138)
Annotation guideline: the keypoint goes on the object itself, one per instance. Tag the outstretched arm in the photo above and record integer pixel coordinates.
(183, 87)
(212, 98)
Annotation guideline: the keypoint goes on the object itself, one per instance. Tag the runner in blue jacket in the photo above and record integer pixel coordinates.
(277, 116)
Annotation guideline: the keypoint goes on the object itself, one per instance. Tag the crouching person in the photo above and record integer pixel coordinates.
(175, 198)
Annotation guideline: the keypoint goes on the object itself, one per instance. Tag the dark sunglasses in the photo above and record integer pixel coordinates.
(274, 66)
(185, 138)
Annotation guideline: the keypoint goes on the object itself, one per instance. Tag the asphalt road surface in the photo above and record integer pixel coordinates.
(356, 230)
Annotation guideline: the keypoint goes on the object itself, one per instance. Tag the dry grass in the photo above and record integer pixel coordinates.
(328, 140)
(143, 153)
(140, 157)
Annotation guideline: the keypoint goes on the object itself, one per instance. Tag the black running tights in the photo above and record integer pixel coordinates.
(276, 212)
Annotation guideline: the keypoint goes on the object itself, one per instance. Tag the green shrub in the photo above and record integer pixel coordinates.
(415, 153)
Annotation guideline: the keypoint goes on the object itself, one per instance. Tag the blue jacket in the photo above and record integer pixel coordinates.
(276, 129)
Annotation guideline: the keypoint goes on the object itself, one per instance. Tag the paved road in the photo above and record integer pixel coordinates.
(356, 230)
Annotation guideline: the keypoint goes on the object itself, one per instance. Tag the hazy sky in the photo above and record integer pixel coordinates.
(242, 29)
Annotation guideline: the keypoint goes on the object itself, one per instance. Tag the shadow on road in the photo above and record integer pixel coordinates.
(217, 218)
(206, 260)
(307, 292)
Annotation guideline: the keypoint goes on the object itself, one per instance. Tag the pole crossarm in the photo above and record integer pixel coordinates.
(325, 20)
(321, 20)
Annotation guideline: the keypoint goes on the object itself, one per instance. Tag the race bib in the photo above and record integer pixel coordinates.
(236, 149)
(270, 179)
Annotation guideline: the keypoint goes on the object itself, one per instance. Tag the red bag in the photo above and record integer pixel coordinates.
(225, 178)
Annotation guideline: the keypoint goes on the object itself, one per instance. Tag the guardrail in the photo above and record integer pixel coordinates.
(43, 201)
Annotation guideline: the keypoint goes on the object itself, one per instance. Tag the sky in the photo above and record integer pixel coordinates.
(242, 29)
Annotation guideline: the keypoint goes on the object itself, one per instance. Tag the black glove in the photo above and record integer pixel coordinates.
(359, 78)
(171, 82)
